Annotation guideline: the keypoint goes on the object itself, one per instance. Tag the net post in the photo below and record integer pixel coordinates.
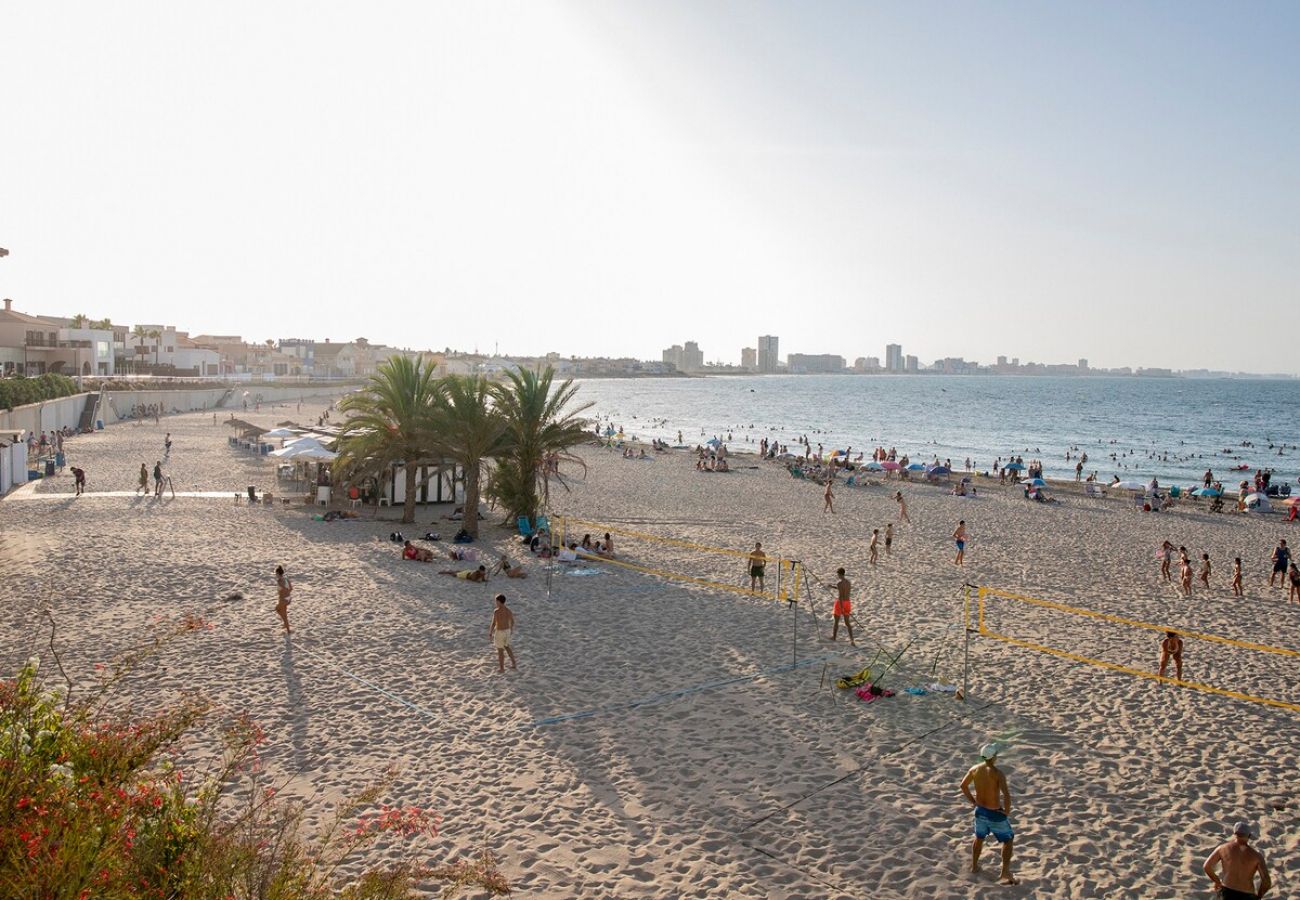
(965, 665)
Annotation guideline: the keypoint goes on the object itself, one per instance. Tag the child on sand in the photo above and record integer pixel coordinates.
(1205, 569)
(1166, 556)
(959, 537)
(1172, 648)
(875, 544)
(902, 507)
(889, 538)
(829, 497)
(1236, 577)
(1186, 576)
(500, 632)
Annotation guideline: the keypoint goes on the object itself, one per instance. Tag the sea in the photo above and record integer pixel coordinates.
(1137, 428)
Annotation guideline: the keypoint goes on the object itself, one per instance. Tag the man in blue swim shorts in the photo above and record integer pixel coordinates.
(992, 800)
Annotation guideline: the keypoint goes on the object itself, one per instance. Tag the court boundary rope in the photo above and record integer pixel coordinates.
(983, 630)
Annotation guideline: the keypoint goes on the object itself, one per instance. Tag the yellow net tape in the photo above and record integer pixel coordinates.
(985, 631)
(1078, 611)
(786, 587)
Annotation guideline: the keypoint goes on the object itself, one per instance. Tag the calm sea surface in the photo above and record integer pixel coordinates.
(1172, 428)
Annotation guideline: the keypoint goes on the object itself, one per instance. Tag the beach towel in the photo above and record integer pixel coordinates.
(870, 692)
(849, 681)
(585, 571)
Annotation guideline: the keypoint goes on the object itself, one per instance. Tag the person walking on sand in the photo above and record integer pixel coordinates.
(1166, 556)
(283, 588)
(889, 538)
(1236, 577)
(902, 507)
(500, 632)
(1185, 573)
(167, 444)
(157, 478)
(1172, 648)
(143, 486)
(992, 800)
(843, 608)
(874, 546)
(1239, 863)
(1205, 570)
(757, 565)
(1281, 559)
(1294, 593)
(829, 496)
(959, 537)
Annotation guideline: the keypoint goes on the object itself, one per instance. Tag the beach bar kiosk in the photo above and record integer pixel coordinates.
(13, 460)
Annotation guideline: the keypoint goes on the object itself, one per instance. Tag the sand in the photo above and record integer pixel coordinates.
(679, 754)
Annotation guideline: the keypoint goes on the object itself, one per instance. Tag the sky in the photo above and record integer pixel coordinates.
(1115, 181)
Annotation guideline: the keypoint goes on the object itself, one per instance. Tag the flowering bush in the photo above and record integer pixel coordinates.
(92, 806)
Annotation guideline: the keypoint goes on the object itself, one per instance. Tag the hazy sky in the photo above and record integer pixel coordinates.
(1049, 181)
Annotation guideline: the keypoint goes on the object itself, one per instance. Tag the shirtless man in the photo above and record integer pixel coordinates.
(500, 632)
(889, 538)
(992, 800)
(1172, 648)
(959, 537)
(757, 564)
(843, 607)
(829, 497)
(1281, 560)
(874, 547)
(902, 507)
(1240, 863)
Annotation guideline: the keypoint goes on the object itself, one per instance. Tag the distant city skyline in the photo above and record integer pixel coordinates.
(1108, 181)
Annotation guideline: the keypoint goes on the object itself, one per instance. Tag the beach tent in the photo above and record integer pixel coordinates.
(941, 470)
(1129, 486)
(1207, 492)
(873, 466)
(1257, 503)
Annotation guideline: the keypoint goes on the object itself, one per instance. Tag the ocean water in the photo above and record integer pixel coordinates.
(1171, 428)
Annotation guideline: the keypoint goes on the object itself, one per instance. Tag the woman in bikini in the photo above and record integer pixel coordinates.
(1166, 556)
(1172, 648)
(284, 587)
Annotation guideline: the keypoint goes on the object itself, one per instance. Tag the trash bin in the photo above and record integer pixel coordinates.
(49, 468)
(99, 424)
(60, 460)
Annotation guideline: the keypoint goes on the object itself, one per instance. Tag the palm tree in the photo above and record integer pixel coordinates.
(540, 431)
(390, 424)
(80, 320)
(468, 431)
(156, 336)
(139, 332)
(104, 324)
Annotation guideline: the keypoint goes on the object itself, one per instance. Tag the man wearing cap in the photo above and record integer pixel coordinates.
(1240, 863)
(992, 799)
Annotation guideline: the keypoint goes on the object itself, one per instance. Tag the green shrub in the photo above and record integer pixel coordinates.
(19, 391)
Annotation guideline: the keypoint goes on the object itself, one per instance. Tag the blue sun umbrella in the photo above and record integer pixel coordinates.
(1014, 467)
(1207, 492)
(941, 470)
(874, 466)
(1035, 482)
(916, 467)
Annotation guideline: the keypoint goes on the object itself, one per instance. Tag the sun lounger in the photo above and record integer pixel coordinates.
(1092, 489)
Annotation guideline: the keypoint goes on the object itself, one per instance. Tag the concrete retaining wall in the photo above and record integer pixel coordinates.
(51, 415)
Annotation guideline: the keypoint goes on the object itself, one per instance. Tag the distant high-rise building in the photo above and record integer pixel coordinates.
(767, 352)
(1083, 365)
(673, 357)
(1015, 362)
(1002, 362)
(811, 363)
(894, 357)
(873, 364)
(912, 364)
(748, 358)
(692, 357)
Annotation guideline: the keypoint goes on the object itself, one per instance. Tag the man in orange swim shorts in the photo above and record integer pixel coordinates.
(842, 608)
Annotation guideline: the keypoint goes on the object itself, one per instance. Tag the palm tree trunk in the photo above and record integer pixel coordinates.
(408, 509)
(471, 499)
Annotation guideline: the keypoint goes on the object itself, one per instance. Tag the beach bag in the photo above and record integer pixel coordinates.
(857, 678)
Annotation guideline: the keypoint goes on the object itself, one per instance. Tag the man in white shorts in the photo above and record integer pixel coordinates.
(503, 626)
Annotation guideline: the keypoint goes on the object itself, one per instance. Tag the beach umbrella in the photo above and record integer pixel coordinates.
(873, 466)
(941, 470)
(890, 465)
(1035, 482)
(1130, 486)
(281, 433)
(317, 453)
(916, 467)
(1207, 492)
(1014, 467)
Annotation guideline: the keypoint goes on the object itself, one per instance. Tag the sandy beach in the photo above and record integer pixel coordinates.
(663, 738)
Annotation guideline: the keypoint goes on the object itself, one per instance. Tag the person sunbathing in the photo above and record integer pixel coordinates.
(460, 555)
(418, 554)
(510, 571)
(479, 574)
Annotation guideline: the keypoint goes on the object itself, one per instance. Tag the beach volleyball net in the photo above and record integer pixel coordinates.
(1132, 647)
(717, 568)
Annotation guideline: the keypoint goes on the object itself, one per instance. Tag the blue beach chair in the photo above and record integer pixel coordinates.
(524, 528)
